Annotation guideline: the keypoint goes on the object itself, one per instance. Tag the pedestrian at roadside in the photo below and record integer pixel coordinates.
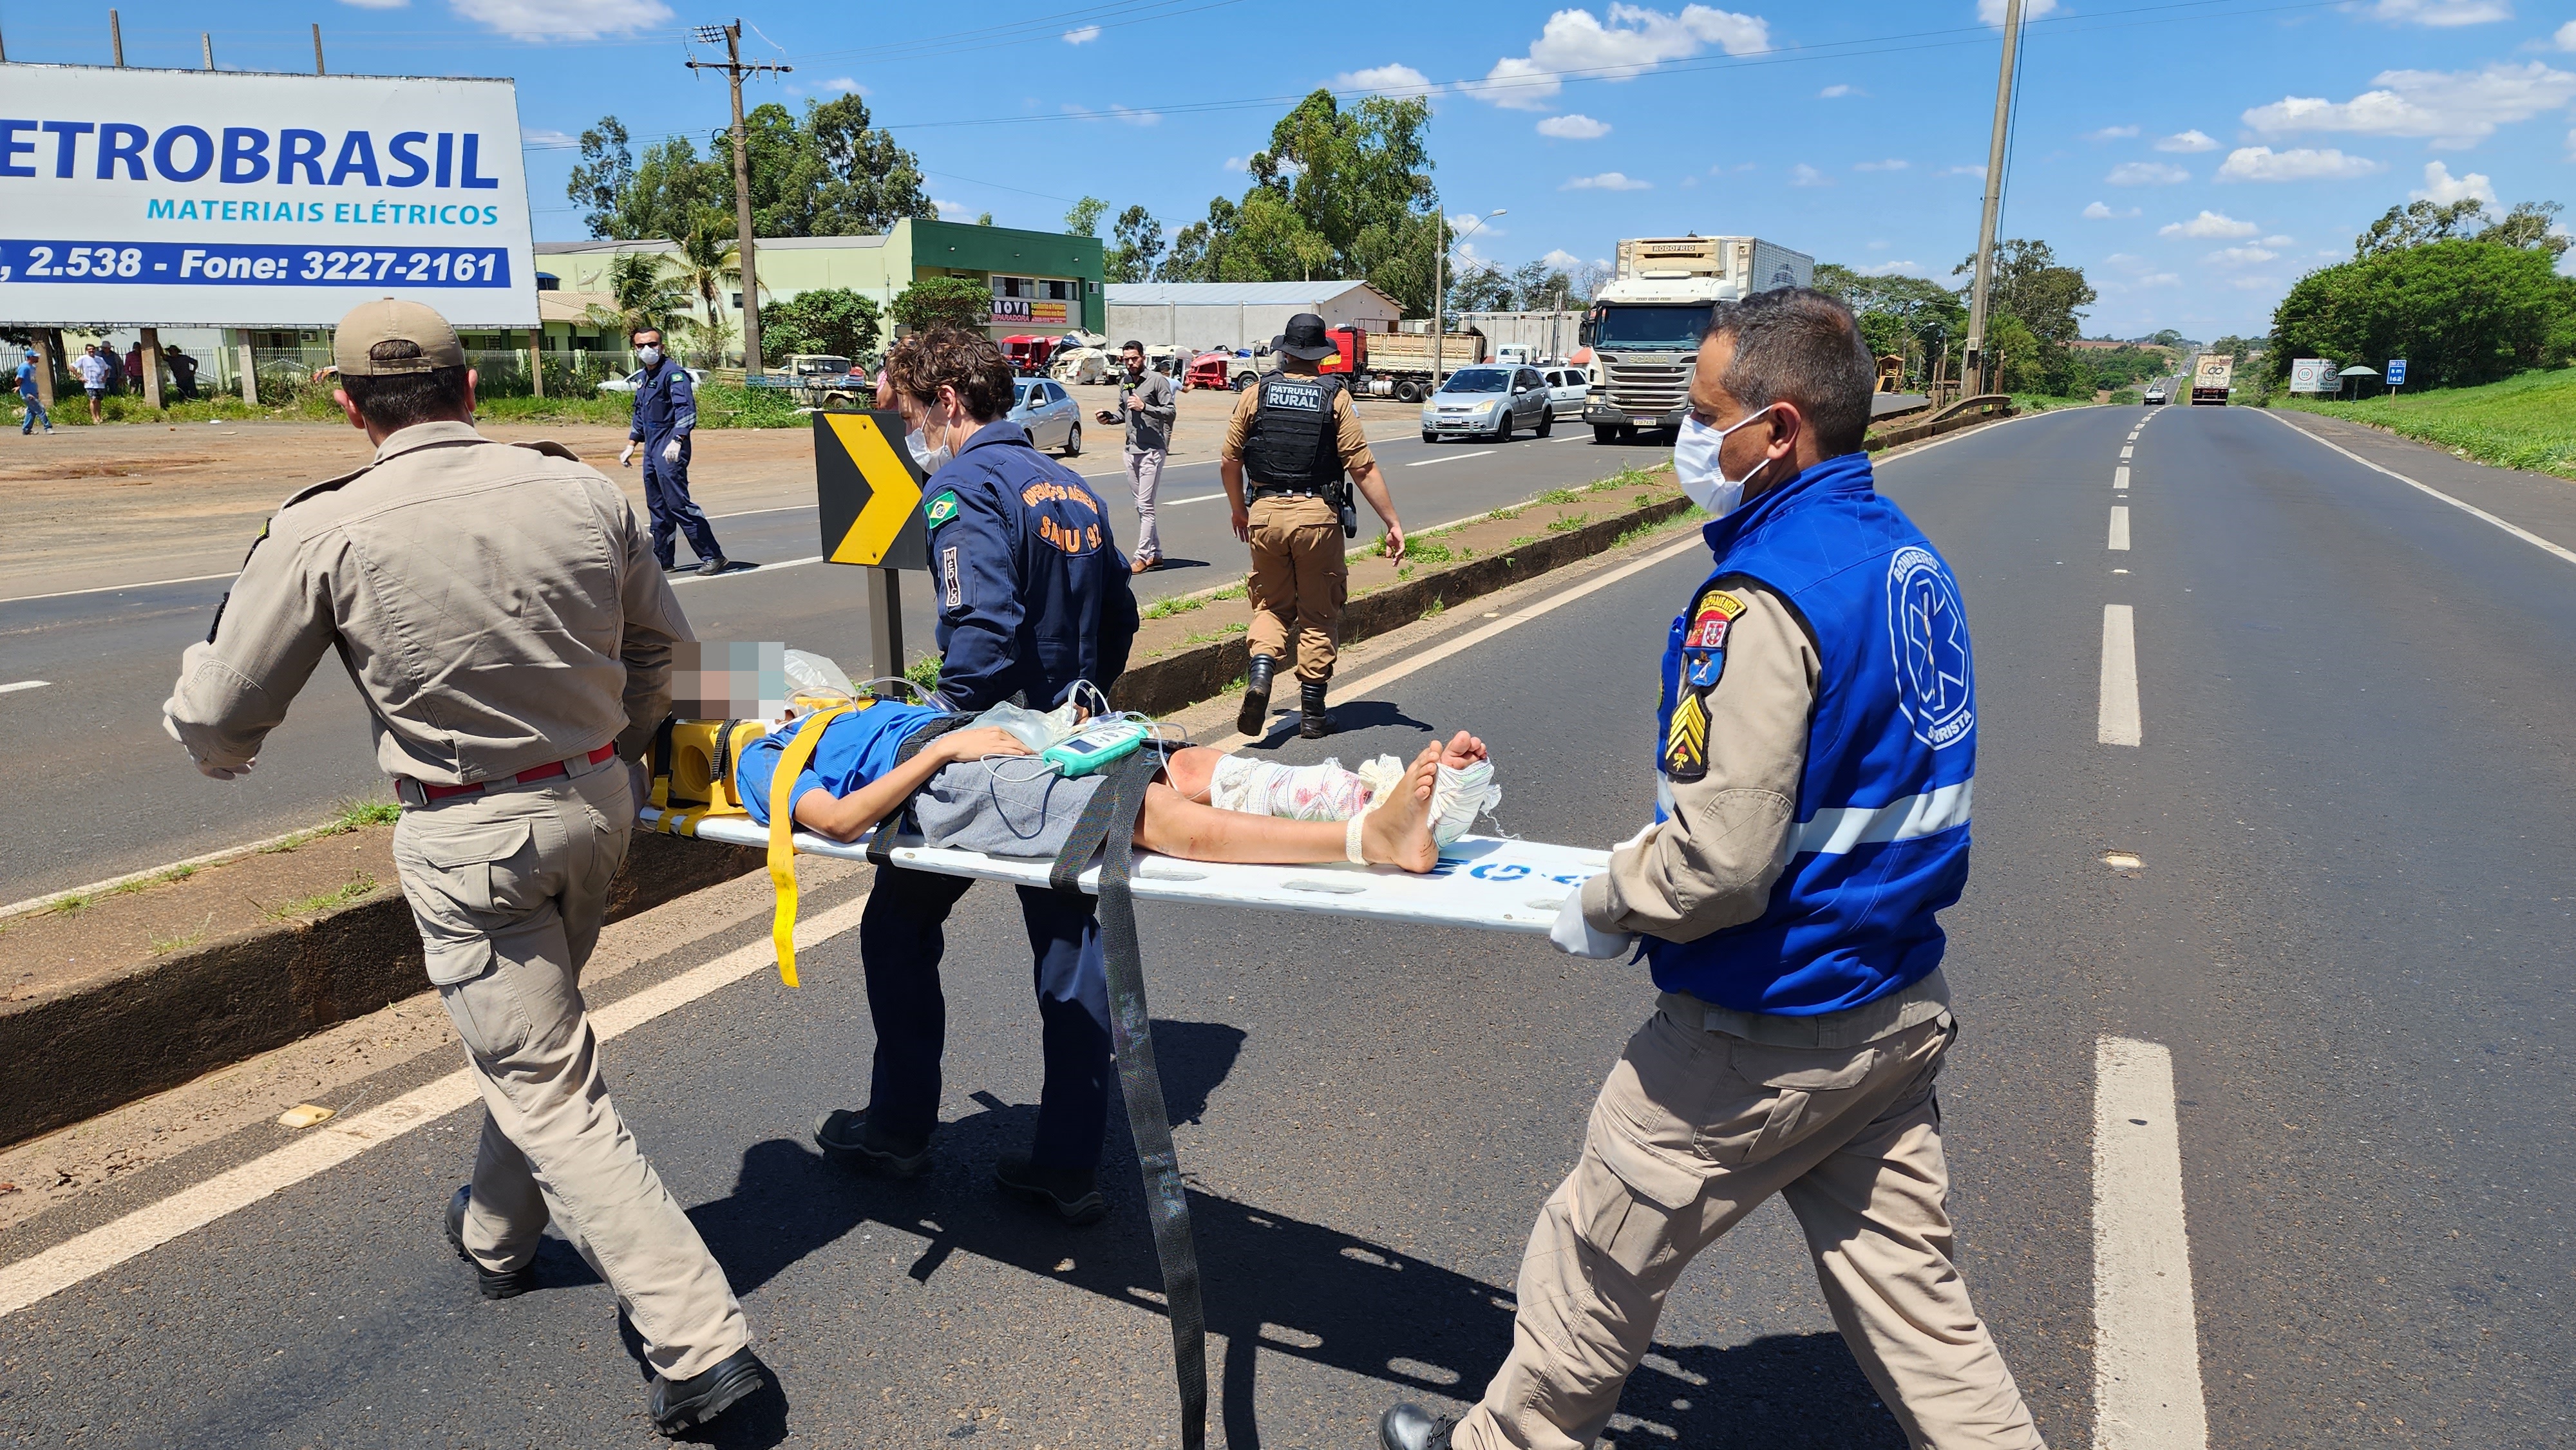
(1033, 598)
(1298, 439)
(1147, 404)
(502, 716)
(666, 413)
(29, 398)
(1816, 751)
(93, 375)
(183, 373)
(134, 365)
(116, 373)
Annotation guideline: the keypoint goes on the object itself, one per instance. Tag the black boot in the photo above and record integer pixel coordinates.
(1255, 714)
(1074, 1193)
(679, 1405)
(494, 1283)
(1315, 724)
(1411, 1427)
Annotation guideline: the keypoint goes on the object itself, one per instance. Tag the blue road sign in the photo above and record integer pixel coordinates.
(2396, 371)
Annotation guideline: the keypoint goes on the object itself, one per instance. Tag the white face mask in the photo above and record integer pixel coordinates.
(930, 460)
(649, 356)
(1702, 476)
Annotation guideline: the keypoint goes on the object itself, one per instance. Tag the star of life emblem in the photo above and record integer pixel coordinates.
(1928, 638)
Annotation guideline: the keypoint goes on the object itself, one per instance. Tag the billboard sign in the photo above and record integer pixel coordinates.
(2396, 371)
(208, 198)
(2313, 375)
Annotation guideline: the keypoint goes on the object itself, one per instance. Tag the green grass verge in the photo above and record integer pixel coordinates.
(2525, 422)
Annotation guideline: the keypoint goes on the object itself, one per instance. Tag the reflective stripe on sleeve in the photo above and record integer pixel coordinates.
(1833, 832)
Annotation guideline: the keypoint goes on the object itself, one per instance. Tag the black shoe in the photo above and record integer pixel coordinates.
(846, 1134)
(701, 1397)
(1073, 1193)
(1408, 1426)
(710, 567)
(1255, 714)
(1313, 722)
(495, 1283)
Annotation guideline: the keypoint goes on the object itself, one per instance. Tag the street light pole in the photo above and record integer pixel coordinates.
(1439, 291)
(734, 70)
(1972, 366)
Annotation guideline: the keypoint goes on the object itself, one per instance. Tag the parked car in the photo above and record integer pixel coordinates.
(1566, 389)
(1048, 412)
(635, 379)
(1488, 402)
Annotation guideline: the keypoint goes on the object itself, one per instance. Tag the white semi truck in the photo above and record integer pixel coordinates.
(1644, 325)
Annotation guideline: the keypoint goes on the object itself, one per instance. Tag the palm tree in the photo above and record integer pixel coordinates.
(710, 265)
(645, 296)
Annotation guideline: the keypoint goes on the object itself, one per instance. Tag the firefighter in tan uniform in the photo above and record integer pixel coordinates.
(504, 619)
(1297, 436)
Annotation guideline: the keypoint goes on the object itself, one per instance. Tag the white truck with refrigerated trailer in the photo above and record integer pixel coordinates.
(1644, 325)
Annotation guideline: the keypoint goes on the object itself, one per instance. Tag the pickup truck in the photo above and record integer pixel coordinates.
(819, 380)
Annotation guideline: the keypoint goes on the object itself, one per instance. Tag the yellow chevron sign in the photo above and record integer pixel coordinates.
(868, 492)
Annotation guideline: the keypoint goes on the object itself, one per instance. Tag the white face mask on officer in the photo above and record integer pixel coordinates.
(648, 355)
(1703, 475)
(929, 459)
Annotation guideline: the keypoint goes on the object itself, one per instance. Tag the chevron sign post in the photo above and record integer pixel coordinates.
(868, 493)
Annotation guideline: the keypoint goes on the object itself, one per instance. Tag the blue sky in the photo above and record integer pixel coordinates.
(2194, 158)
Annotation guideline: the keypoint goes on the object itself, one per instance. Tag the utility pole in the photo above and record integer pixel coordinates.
(734, 70)
(116, 40)
(1972, 368)
(1439, 282)
(206, 38)
(317, 49)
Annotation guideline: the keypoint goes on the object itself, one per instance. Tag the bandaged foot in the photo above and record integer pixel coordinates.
(1323, 792)
(1463, 790)
(1395, 830)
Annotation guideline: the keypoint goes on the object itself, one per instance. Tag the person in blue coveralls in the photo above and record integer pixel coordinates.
(1816, 741)
(1033, 597)
(666, 413)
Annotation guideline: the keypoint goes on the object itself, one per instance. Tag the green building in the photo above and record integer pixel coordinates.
(1042, 282)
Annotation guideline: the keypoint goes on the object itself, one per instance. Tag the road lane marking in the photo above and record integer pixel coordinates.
(18, 685)
(1448, 458)
(2125, 452)
(2146, 1344)
(696, 578)
(2120, 526)
(119, 588)
(68, 1263)
(2120, 478)
(2119, 703)
(2517, 530)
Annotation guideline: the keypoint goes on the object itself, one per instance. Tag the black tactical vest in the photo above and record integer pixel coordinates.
(1293, 444)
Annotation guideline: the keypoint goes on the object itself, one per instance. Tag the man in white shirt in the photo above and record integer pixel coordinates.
(93, 375)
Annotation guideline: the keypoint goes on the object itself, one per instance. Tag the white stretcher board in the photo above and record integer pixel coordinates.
(1482, 882)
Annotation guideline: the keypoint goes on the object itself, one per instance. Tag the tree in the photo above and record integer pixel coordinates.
(868, 182)
(1139, 241)
(2530, 225)
(1084, 219)
(645, 295)
(2030, 285)
(1907, 316)
(944, 301)
(710, 265)
(2401, 227)
(2459, 310)
(827, 173)
(1537, 287)
(984, 219)
(603, 175)
(1481, 287)
(832, 320)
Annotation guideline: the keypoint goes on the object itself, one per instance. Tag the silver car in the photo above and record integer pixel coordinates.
(1488, 401)
(1567, 386)
(635, 380)
(1048, 412)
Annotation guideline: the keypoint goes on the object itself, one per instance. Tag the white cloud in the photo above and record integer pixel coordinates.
(1469, 221)
(1804, 175)
(953, 211)
(2442, 188)
(1576, 127)
(1890, 164)
(1606, 181)
(2111, 133)
(2160, 279)
(2441, 12)
(1561, 259)
(2449, 108)
(846, 85)
(1081, 35)
(2188, 141)
(2571, 137)
(1237, 163)
(1992, 11)
(1386, 80)
(2241, 256)
(542, 139)
(2209, 225)
(2262, 163)
(1878, 246)
(2146, 173)
(1635, 41)
(2279, 241)
(564, 19)
(2565, 39)
(1884, 269)
(1837, 91)
(2098, 212)
(1978, 172)
(1114, 113)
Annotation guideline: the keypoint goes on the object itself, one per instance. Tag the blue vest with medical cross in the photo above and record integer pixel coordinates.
(1880, 842)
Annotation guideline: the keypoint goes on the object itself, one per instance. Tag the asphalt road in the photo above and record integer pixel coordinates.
(2349, 925)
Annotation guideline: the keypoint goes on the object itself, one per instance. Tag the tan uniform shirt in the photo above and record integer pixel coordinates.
(496, 605)
(1350, 440)
(1726, 837)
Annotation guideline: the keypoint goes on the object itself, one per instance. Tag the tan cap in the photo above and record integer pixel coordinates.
(390, 320)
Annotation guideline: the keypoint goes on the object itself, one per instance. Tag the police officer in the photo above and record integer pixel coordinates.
(1297, 435)
(498, 610)
(666, 413)
(1033, 596)
(1817, 744)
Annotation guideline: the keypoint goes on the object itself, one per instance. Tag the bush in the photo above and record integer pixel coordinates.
(2460, 312)
(833, 320)
(956, 301)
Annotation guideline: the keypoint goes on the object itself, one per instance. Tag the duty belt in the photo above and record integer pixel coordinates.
(421, 793)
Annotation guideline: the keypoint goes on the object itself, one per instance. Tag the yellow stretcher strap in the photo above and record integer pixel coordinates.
(782, 833)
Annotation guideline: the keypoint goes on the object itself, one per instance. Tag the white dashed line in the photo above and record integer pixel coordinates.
(2120, 527)
(2125, 452)
(2146, 1344)
(1448, 458)
(2119, 704)
(2120, 479)
(14, 687)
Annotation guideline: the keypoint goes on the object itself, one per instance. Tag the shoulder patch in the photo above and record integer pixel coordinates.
(550, 448)
(1710, 619)
(1686, 740)
(942, 508)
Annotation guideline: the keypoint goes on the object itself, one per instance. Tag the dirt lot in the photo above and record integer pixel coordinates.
(131, 503)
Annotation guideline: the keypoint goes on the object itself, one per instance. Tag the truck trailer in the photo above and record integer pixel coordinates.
(2211, 378)
(1644, 325)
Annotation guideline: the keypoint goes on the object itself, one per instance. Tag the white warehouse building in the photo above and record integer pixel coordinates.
(1238, 316)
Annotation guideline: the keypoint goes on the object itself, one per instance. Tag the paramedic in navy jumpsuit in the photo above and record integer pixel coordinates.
(666, 413)
(1033, 596)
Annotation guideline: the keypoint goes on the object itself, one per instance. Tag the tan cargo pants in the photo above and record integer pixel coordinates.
(509, 890)
(1692, 1131)
(1299, 580)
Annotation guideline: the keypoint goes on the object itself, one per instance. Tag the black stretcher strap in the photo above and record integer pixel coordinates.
(1108, 825)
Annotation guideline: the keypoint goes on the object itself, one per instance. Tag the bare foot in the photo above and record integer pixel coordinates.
(1398, 832)
(1463, 750)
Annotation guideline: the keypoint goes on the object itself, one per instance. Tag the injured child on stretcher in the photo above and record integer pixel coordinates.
(983, 789)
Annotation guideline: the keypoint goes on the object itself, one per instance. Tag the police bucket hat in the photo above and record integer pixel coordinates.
(390, 320)
(1305, 339)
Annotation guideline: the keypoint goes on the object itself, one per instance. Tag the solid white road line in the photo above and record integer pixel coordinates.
(119, 588)
(1447, 458)
(2120, 478)
(2146, 1345)
(2120, 526)
(688, 578)
(103, 1248)
(2125, 452)
(18, 685)
(2119, 702)
(2517, 530)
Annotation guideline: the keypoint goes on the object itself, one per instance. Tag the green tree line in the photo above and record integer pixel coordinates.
(2464, 297)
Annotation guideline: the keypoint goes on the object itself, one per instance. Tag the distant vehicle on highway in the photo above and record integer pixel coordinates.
(1049, 413)
(1489, 402)
(635, 379)
(2156, 394)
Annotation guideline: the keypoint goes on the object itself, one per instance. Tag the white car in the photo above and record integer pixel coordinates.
(1050, 414)
(635, 380)
(1488, 402)
(1566, 389)
(2155, 394)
